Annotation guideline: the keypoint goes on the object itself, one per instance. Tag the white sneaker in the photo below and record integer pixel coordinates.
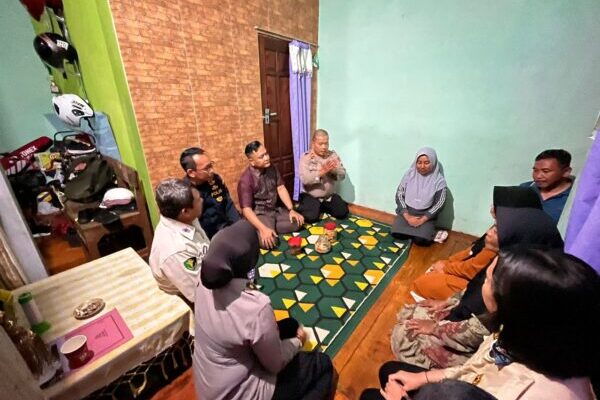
(440, 236)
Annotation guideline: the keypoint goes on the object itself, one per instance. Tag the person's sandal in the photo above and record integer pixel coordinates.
(441, 236)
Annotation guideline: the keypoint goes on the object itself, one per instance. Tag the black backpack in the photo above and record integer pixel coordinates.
(90, 183)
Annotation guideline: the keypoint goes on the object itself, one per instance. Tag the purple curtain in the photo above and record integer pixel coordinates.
(583, 229)
(300, 96)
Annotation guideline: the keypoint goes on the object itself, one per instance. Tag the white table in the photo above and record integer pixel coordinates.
(124, 281)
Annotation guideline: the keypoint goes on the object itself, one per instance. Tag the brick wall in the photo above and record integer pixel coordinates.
(193, 71)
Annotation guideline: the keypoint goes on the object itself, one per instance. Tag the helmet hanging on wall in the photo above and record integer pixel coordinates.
(54, 49)
(71, 108)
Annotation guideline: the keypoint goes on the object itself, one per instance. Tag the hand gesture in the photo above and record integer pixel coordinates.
(419, 220)
(393, 391)
(267, 238)
(294, 215)
(408, 380)
(301, 335)
(434, 306)
(328, 167)
(409, 218)
(420, 326)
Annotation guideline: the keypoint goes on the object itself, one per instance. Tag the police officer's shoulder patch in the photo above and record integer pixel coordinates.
(190, 264)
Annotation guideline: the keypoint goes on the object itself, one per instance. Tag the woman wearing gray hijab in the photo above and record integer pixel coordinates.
(241, 352)
(420, 196)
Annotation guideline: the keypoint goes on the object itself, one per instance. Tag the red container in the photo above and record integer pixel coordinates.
(295, 244)
(76, 351)
(330, 231)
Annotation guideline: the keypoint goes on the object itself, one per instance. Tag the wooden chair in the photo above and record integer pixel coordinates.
(92, 232)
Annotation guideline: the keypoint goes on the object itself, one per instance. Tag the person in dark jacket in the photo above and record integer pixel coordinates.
(219, 210)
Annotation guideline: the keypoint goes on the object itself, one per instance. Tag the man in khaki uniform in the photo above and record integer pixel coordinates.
(320, 171)
(179, 242)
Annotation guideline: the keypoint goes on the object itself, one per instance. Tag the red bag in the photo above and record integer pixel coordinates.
(35, 8)
(16, 161)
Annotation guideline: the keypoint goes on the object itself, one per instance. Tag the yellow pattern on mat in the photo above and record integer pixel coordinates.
(364, 223)
(339, 311)
(332, 271)
(306, 306)
(281, 314)
(288, 302)
(373, 276)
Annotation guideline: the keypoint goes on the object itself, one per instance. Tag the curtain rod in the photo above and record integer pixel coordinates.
(281, 36)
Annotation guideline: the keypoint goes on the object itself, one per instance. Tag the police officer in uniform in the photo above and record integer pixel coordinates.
(240, 351)
(179, 242)
(320, 171)
(218, 208)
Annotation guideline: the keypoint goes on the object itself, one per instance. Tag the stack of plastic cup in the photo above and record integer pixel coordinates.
(32, 312)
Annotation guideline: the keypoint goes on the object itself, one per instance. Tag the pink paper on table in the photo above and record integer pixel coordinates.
(104, 333)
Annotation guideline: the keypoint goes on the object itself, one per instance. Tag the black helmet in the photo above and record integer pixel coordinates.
(54, 49)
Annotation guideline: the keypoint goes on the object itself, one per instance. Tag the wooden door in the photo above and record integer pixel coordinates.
(275, 91)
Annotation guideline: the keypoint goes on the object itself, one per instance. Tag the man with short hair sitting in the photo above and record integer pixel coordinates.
(320, 171)
(179, 242)
(259, 189)
(552, 180)
(218, 208)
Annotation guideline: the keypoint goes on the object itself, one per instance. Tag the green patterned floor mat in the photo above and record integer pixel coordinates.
(330, 294)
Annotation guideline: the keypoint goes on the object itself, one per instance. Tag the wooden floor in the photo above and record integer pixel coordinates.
(58, 255)
(368, 347)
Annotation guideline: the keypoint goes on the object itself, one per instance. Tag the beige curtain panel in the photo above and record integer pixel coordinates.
(10, 275)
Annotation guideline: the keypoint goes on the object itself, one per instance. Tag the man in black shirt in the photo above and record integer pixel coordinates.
(219, 210)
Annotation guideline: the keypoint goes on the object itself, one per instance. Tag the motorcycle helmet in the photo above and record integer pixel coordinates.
(116, 197)
(54, 49)
(71, 108)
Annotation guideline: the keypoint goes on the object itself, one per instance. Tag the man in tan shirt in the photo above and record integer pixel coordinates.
(320, 171)
(179, 243)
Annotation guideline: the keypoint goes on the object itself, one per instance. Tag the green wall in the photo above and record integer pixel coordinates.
(24, 88)
(92, 33)
(489, 84)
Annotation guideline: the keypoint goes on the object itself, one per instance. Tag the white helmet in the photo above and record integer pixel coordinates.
(71, 108)
(116, 197)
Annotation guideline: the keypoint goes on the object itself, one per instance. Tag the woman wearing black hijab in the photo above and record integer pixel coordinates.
(546, 305)
(428, 335)
(241, 352)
